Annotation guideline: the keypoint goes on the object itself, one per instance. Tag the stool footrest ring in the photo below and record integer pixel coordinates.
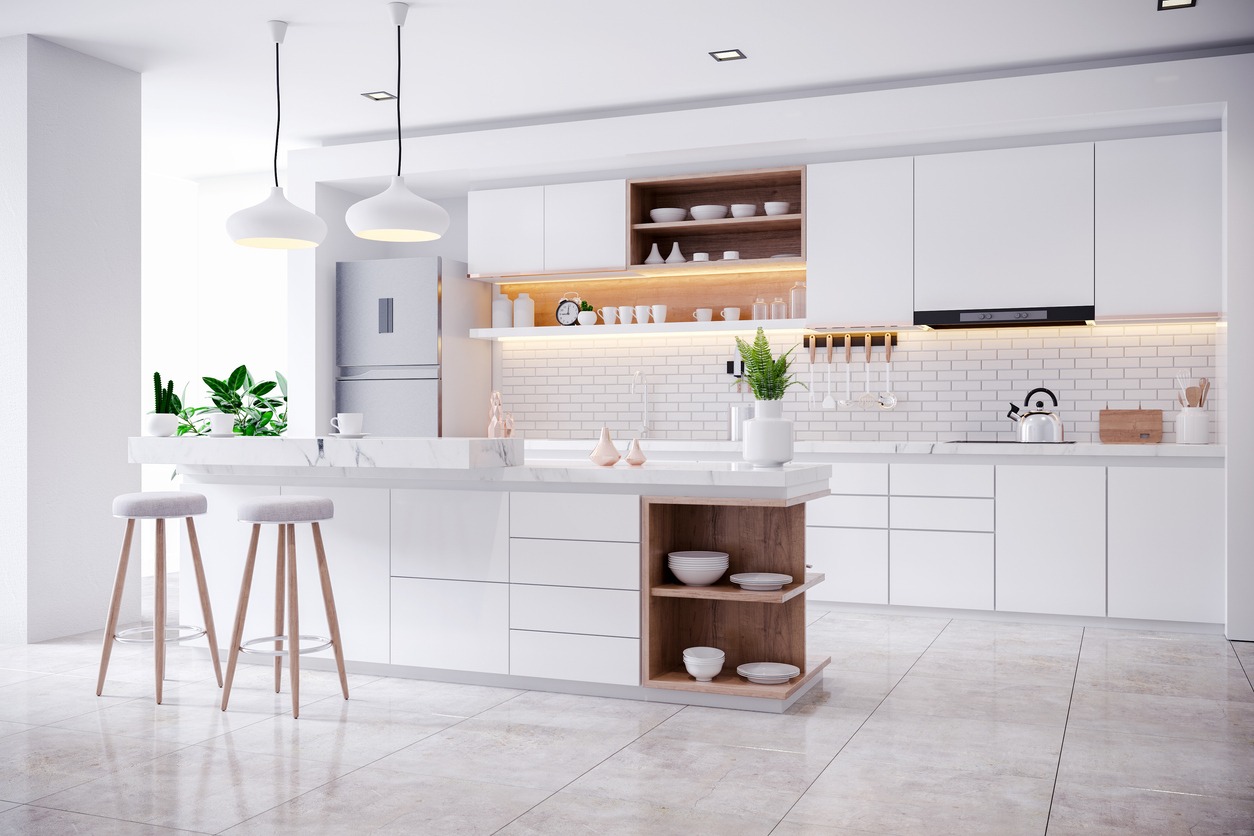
(147, 635)
(322, 644)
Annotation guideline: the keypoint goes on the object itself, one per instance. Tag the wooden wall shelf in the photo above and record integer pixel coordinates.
(725, 590)
(728, 682)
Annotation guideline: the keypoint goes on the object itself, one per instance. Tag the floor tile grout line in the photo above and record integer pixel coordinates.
(20, 805)
(871, 714)
(1066, 723)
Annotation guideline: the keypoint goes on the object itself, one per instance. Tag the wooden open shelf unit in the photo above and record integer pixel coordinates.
(759, 536)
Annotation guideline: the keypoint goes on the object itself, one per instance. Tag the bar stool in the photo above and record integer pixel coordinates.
(286, 512)
(159, 506)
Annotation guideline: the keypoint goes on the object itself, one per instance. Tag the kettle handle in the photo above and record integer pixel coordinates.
(1028, 399)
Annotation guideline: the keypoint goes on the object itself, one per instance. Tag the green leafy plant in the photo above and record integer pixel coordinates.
(257, 408)
(585, 306)
(767, 375)
(165, 401)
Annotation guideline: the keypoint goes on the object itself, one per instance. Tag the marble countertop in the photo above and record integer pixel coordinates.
(330, 452)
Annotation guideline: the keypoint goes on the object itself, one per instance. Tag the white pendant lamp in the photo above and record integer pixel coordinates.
(276, 223)
(397, 214)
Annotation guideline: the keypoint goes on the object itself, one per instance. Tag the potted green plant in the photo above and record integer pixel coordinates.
(258, 409)
(164, 418)
(587, 313)
(767, 435)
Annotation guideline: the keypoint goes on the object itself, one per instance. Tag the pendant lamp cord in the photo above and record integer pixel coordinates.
(399, 147)
(278, 114)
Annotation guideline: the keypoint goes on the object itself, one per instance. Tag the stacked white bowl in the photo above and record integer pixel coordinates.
(704, 663)
(697, 568)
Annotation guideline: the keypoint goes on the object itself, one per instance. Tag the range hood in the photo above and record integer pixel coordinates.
(1006, 317)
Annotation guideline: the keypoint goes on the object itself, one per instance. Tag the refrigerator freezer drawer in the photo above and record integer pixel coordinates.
(393, 407)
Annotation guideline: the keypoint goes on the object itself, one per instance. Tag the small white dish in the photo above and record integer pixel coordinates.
(667, 214)
(348, 435)
(744, 210)
(768, 673)
(777, 207)
(708, 212)
(760, 581)
(698, 554)
(704, 654)
(785, 255)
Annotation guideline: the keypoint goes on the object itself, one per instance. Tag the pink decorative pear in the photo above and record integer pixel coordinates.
(605, 453)
(635, 456)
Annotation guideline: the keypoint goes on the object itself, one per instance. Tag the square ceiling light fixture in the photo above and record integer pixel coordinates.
(727, 55)
(379, 96)
(1164, 5)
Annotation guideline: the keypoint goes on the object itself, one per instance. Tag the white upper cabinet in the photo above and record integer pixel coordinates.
(1158, 204)
(860, 243)
(538, 229)
(1007, 228)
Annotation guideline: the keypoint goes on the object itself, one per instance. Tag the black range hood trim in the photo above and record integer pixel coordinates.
(1006, 317)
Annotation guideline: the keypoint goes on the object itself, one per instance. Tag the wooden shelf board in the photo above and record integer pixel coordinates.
(746, 326)
(722, 268)
(727, 591)
(790, 221)
(731, 684)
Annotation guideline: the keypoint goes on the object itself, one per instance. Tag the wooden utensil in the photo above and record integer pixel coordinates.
(1193, 395)
(1204, 383)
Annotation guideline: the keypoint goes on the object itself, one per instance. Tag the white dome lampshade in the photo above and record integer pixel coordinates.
(276, 224)
(397, 214)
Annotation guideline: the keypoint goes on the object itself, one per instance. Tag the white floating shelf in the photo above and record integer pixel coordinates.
(694, 328)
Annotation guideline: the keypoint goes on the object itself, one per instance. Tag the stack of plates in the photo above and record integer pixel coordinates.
(698, 568)
(768, 673)
(760, 581)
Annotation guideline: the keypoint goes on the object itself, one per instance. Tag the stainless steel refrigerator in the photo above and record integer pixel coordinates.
(403, 349)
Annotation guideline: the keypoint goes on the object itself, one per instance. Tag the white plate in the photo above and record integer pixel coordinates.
(768, 673)
(698, 554)
(786, 255)
(348, 435)
(760, 581)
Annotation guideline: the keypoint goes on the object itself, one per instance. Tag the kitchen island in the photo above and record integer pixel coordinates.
(454, 559)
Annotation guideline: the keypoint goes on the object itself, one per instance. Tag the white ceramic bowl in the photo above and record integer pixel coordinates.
(708, 212)
(703, 671)
(667, 215)
(775, 207)
(744, 210)
(704, 654)
(696, 553)
(697, 577)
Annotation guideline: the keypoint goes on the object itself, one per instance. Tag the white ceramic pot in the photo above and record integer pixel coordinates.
(587, 317)
(767, 436)
(160, 424)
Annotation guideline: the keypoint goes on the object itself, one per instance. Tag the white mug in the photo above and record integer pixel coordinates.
(608, 314)
(731, 313)
(624, 314)
(731, 255)
(221, 423)
(642, 314)
(659, 313)
(700, 256)
(348, 423)
(703, 314)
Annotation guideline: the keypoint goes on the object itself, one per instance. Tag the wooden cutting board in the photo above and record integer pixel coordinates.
(1130, 426)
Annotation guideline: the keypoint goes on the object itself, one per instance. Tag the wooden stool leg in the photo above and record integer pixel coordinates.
(158, 621)
(328, 599)
(293, 623)
(205, 609)
(241, 611)
(111, 621)
(278, 608)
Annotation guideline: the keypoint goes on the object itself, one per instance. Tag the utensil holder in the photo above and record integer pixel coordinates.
(1192, 425)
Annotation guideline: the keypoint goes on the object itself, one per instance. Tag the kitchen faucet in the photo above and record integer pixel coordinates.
(638, 377)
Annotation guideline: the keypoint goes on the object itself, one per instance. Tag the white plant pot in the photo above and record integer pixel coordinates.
(160, 424)
(767, 436)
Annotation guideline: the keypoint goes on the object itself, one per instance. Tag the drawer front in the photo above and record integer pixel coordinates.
(574, 563)
(848, 511)
(941, 569)
(563, 609)
(859, 478)
(614, 661)
(941, 480)
(855, 561)
(452, 625)
(941, 514)
(575, 516)
(455, 535)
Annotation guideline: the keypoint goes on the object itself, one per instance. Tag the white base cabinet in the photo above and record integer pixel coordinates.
(453, 625)
(941, 569)
(614, 661)
(854, 561)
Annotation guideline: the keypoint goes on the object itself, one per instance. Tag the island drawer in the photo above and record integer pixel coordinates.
(574, 563)
(575, 516)
(848, 511)
(453, 535)
(941, 569)
(562, 609)
(615, 661)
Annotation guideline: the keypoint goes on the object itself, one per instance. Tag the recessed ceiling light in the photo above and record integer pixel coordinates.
(728, 55)
(379, 96)
(1164, 5)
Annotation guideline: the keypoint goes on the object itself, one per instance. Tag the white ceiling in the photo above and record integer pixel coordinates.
(208, 86)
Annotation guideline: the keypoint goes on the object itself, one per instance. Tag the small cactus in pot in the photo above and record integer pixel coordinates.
(164, 418)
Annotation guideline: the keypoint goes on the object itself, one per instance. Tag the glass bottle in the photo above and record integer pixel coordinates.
(779, 310)
(797, 300)
(760, 308)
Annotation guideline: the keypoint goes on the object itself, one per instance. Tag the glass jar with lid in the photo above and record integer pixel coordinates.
(760, 309)
(797, 300)
(779, 309)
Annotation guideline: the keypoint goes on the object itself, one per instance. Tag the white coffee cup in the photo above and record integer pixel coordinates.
(703, 314)
(730, 314)
(659, 313)
(348, 423)
(642, 314)
(700, 256)
(731, 255)
(608, 314)
(624, 314)
(221, 423)
(777, 207)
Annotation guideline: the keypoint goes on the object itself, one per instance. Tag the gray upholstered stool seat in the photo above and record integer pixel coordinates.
(158, 506)
(286, 509)
(152, 505)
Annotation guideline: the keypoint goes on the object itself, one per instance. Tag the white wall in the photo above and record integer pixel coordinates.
(80, 271)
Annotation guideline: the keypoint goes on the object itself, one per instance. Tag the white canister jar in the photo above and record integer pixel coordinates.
(502, 311)
(524, 311)
(767, 436)
(1192, 425)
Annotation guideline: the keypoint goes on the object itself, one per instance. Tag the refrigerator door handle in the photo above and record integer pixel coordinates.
(385, 315)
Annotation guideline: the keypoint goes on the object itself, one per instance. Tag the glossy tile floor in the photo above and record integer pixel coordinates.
(922, 726)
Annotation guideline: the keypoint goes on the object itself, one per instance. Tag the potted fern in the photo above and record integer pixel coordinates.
(164, 418)
(767, 436)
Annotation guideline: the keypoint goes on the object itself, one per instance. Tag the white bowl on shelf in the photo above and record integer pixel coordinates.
(704, 654)
(667, 214)
(708, 212)
(776, 207)
(697, 554)
(703, 671)
(744, 210)
(698, 577)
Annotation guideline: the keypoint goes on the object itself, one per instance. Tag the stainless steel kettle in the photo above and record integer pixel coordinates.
(1037, 424)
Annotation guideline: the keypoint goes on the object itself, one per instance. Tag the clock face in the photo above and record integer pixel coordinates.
(567, 312)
